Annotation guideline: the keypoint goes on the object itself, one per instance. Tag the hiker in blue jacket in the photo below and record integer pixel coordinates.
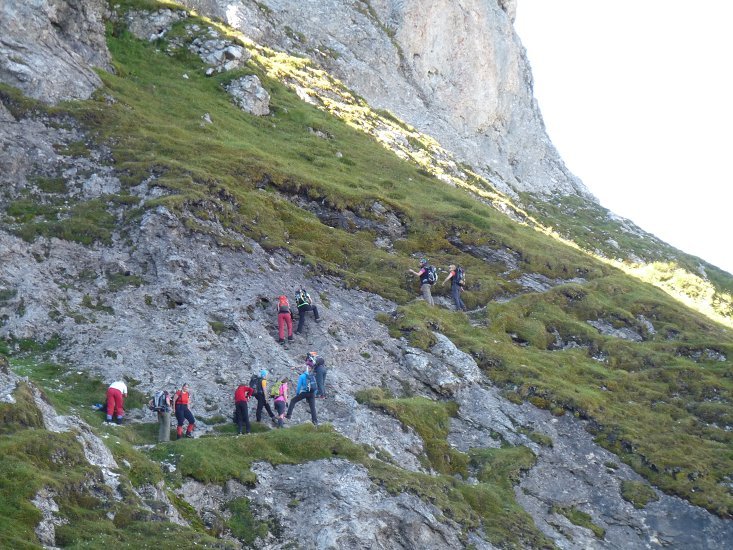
(305, 390)
(318, 365)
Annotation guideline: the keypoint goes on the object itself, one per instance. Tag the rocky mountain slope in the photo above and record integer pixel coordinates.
(147, 230)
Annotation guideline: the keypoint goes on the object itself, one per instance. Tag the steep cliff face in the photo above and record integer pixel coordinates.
(454, 70)
(49, 48)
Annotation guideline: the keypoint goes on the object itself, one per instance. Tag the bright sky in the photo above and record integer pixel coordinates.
(637, 96)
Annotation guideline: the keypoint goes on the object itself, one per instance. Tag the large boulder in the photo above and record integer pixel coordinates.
(248, 93)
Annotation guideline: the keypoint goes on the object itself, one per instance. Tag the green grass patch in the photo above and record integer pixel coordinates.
(88, 303)
(22, 414)
(218, 459)
(118, 281)
(430, 419)
(51, 185)
(502, 466)
(85, 222)
(638, 493)
(578, 517)
(662, 414)
(32, 459)
(243, 523)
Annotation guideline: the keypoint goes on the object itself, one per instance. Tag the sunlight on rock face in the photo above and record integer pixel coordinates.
(317, 87)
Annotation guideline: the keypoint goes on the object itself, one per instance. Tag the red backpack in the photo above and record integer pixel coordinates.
(283, 306)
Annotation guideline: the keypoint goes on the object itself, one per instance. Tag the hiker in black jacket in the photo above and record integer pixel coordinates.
(259, 384)
(425, 282)
(305, 304)
(318, 365)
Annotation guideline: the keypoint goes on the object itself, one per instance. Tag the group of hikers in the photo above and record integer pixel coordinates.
(311, 383)
(311, 386)
(428, 275)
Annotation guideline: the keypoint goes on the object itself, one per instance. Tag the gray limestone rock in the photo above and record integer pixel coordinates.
(152, 25)
(46, 528)
(625, 333)
(334, 504)
(453, 70)
(48, 48)
(248, 93)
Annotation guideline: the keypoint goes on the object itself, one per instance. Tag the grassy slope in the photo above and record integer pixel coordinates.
(211, 171)
(594, 228)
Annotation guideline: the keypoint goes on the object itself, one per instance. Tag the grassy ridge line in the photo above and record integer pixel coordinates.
(239, 150)
(690, 280)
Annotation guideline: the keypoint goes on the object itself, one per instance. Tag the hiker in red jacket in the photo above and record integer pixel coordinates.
(181, 400)
(116, 394)
(241, 412)
(284, 318)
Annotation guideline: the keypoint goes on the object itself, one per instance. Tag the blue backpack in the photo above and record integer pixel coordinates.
(310, 382)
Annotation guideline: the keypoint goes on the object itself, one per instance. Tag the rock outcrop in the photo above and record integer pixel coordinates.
(454, 70)
(49, 48)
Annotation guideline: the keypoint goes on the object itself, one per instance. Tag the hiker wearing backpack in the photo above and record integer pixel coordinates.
(116, 394)
(284, 318)
(457, 278)
(241, 412)
(305, 304)
(259, 385)
(305, 390)
(428, 277)
(281, 401)
(161, 404)
(318, 365)
(181, 401)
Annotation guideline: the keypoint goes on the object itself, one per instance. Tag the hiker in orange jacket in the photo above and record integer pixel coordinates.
(181, 401)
